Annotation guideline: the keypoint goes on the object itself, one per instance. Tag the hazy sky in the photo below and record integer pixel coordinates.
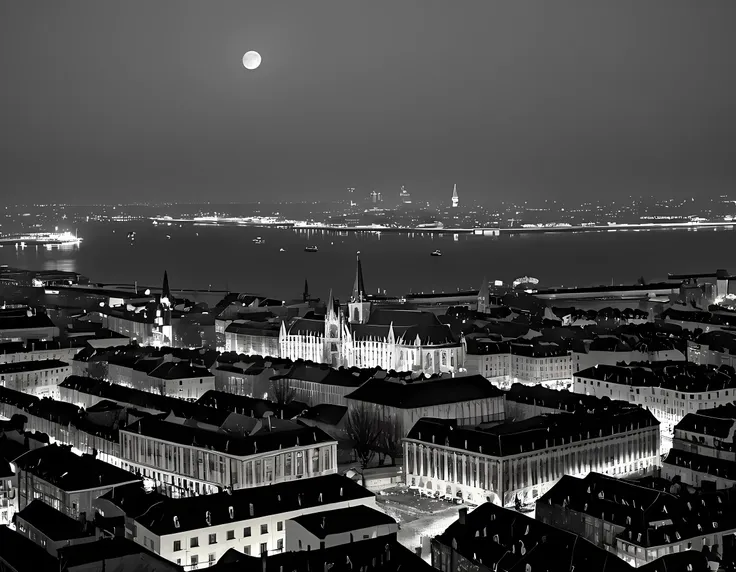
(120, 101)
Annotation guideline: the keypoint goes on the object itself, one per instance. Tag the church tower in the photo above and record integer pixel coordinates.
(359, 306)
(333, 333)
(162, 325)
(455, 198)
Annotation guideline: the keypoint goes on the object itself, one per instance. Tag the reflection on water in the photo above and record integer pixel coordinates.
(63, 264)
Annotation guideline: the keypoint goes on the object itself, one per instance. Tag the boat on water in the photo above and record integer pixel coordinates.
(311, 249)
(41, 239)
(259, 240)
(436, 253)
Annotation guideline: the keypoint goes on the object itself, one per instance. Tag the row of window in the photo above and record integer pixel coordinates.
(229, 535)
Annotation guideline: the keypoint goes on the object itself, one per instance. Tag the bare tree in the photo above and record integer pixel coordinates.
(389, 440)
(283, 393)
(364, 431)
(97, 370)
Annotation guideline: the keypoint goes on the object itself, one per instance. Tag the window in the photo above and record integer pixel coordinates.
(264, 548)
(264, 529)
(213, 538)
(194, 542)
(194, 561)
(177, 545)
(246, 550)
(280, 544)
(231, 535)
(280, 525)
(246, 531)
(212, 559)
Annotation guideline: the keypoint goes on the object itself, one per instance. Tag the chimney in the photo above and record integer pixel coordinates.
(462, 515)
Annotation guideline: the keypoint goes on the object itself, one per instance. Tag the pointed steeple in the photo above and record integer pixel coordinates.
(483, 297)
(165, 290)
(306, 290)
(359, 286)
(330, 311)
(455, 198)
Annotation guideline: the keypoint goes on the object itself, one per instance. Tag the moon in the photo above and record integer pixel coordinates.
(251, 60)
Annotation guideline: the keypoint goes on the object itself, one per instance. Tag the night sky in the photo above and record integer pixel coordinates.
(128, 101)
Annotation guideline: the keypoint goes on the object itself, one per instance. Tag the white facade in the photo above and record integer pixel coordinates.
(196, 549)
(668, 405)
(439, 470)
(299, 538)
(184, 470)
(191, 388)
(36, 379)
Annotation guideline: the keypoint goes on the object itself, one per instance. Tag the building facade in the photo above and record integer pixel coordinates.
(39, 378)
(522, 460)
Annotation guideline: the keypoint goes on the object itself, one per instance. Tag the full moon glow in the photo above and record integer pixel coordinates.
(251, 60)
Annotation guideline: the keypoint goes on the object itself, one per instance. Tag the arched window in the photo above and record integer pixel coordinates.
(444, 358)
(356, 315)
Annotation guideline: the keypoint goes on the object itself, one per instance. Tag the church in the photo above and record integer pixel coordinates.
(373, 335)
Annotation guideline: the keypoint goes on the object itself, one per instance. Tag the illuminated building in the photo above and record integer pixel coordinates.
(24, 324)
(524, 459)
(670, 390)
(198, 531)
(455, 198)
(398, 339)
(188, 458)
(703, 453)
(405, 196)
(39, 378)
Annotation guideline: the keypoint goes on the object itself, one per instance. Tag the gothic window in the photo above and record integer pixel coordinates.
(356, 315)
(444, 358)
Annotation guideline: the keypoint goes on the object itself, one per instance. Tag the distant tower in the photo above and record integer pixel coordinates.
(305, 295)
(374, 197)
(162, 325)
(483, 297)
(359, 305)
(455, 199)
(405, 196)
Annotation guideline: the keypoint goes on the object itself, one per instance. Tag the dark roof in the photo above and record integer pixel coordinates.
(533, 434)
(326, 523)
(107, 549)
(59, 466)
(412, 395)
(255, 328)
(143, 399)
(22, 554)
(685, 561)
(324, 374)
(191, 512)
(402, 318)
(435, 335)
(678, 376)
(179, 370)
(284, 436)
(325, 413)
(32, 365)
(492, 535)
(706, 425)
(251, 406)
(563, 400)
(724, 468)
(19, 320)
(307, 326)
(51, 522)
(376, 554)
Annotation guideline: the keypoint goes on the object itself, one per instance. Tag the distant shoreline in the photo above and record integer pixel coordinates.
(477, 231)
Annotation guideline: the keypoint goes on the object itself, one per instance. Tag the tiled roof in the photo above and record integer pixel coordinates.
(678, 376)
(179, 370)
(325, 413)
(706, 425)
(412, 395)
(534, 434)
(723, 468)
(224, 401)
(385, 317)
(32, 365)
(105, 550)
(325, 523)
(255, 502)
(306, 326)
(563, 400)
(326, 375)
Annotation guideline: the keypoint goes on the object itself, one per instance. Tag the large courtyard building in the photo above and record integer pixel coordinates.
(520, 461)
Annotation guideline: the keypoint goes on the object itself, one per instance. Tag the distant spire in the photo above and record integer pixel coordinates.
(330, 310)
(359, 286)
(165, 291)
(306, 290)
(455, 198)
(483, 296)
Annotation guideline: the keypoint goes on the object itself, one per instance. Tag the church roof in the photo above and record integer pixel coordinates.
(307, 326)
(385, 317)
(428, 335)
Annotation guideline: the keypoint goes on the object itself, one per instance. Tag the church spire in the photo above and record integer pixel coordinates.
(455, 198)
(330, 311)
(306, 291)
(484, 296)
(359, 286)
(165, 291)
